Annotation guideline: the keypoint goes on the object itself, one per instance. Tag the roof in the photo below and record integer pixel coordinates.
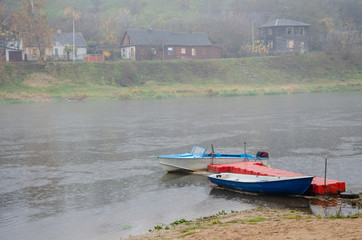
(150, 37)
(12, 45)
(67, 39)
(284, 23)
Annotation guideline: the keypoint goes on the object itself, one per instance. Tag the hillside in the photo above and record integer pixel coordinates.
(317, 72)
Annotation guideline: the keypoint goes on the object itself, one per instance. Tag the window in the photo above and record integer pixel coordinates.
(193, 52)
(183, 50)
(301, 31)
(132, 52)
(56, 51)
(289, 30)
(154, 52)
(270, 31)
(170, 51)
(270, 44)
(203, 52)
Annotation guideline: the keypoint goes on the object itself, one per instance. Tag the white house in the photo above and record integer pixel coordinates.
(64, 41)
(11, 51)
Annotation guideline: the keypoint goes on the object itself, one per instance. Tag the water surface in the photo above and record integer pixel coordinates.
(88, 170)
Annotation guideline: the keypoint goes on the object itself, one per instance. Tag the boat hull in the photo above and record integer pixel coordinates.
(191, 164)
(263, 184)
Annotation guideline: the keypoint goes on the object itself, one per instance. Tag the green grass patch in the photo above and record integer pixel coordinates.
(187, 234)
(254, 220)
(193, 228)
(359, 215)
(177, 222)
(127, 227)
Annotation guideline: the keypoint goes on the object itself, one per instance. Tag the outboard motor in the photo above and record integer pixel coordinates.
(262, 155)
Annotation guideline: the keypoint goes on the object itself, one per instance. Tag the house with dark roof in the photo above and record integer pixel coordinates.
(285, 36)
(63, 45)
(161, 44)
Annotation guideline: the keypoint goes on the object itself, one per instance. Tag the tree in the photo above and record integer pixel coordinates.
(31, 26)
(5, 25)
(5, 35)
(337, 38)
(113, 26)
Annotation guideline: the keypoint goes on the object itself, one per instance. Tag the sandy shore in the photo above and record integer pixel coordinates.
(262, 224)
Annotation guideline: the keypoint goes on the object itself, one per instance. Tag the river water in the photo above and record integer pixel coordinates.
(88, 170)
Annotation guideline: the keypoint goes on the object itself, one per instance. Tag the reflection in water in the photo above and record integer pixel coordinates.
(185, 179)
(326, 206)
(264, 200)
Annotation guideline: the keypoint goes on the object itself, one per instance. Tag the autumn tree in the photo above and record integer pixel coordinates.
(31, 26)
(5, 24)
(326, 28)
(114, 25)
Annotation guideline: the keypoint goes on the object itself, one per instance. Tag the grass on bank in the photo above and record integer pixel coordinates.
(292, 74)
(65, 90)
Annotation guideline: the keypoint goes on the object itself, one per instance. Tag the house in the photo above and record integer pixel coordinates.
(162, 44)
(15, 51)
(285, 36)
(11, 51)
(63, 46)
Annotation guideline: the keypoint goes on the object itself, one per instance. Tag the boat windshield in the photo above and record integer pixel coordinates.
(198, 151)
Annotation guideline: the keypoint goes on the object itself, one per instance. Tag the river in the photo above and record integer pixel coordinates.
(89, 169)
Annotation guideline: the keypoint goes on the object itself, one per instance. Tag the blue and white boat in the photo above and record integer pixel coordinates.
(262, 184)
(198, 159)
